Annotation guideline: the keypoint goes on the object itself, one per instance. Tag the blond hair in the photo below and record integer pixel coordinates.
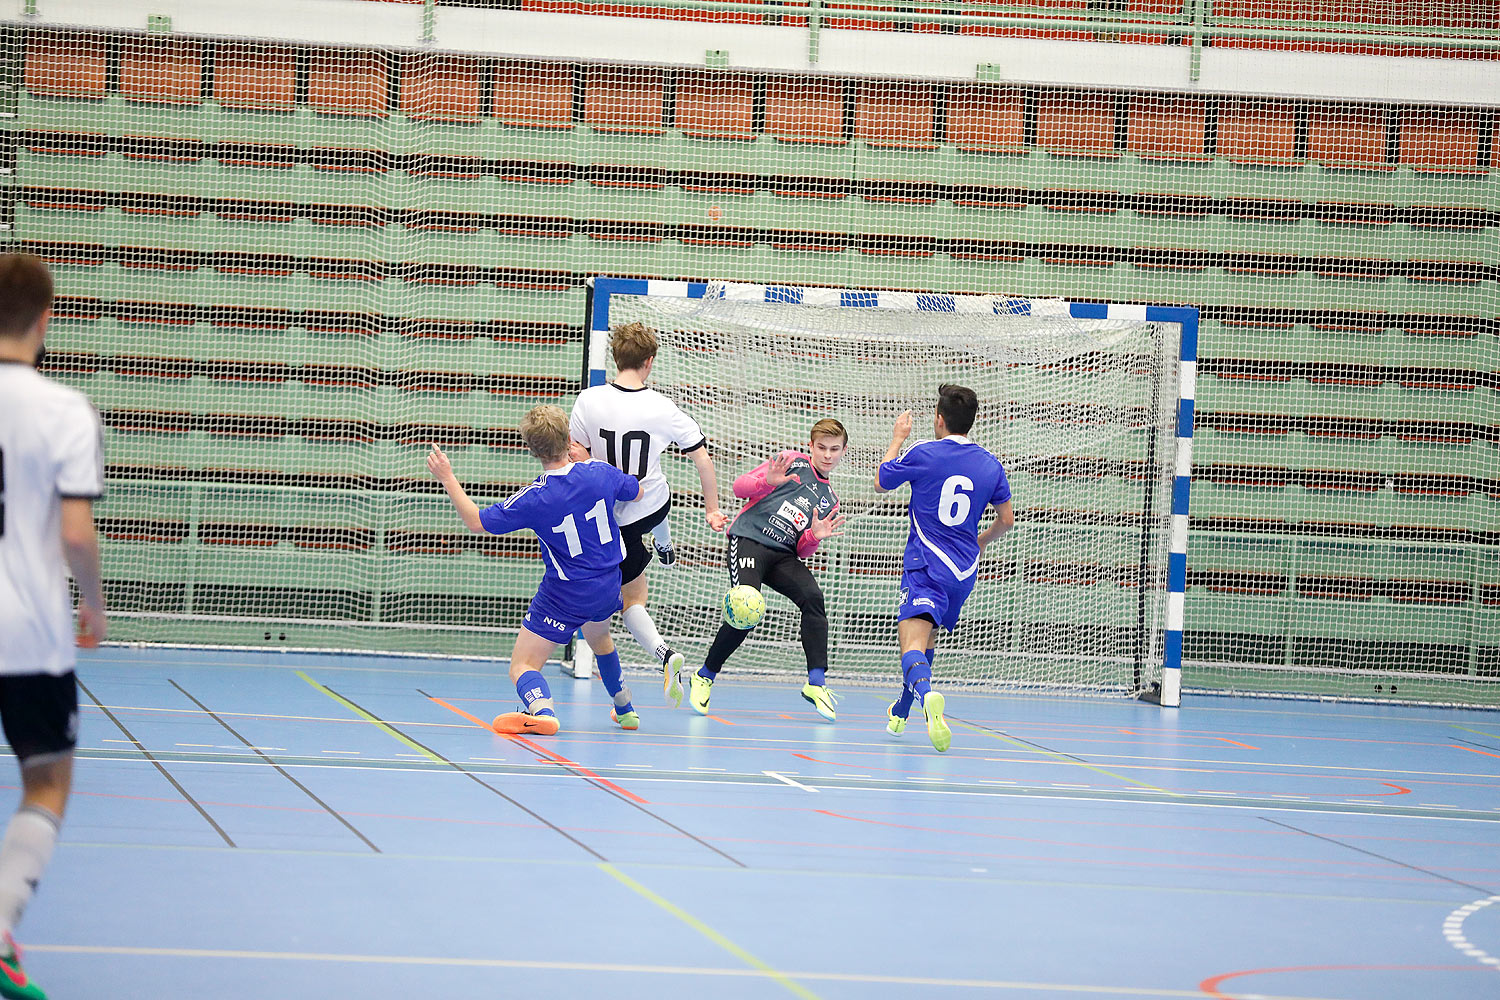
(828, 427)
(633, 344)
(544, 431)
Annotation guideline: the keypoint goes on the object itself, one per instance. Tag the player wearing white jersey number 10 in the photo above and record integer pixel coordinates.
(51, 471)
(628, 424)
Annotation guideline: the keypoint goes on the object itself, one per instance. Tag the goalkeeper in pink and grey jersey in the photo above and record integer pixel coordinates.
(791, 508)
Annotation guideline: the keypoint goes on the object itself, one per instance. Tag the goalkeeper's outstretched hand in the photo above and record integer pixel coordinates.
(776, 472)
(826, 527)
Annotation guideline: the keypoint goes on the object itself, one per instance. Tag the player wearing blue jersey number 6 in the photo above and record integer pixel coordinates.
(952, 481)
(571, 507)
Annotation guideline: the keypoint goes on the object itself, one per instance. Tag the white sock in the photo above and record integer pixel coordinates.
(644, 629)
(663, 535)
(29, 840)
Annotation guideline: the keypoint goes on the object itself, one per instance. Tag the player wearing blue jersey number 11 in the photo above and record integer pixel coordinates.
(571, 507)
(952, 481)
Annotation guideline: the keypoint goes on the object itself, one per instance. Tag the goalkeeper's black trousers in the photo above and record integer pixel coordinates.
(752, 564)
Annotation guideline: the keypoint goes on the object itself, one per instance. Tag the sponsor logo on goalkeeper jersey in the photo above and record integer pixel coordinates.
(796, 518)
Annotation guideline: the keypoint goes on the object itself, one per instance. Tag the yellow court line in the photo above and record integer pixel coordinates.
(620, 967)
(707, 931)
(1064, 758)
(372, 720)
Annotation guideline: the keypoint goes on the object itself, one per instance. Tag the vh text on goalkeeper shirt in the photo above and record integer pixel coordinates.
(952, 481)
(778, 517)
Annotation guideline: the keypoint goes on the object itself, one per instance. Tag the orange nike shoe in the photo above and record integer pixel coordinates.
(525, 724)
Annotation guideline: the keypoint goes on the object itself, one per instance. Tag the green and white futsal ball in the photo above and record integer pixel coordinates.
(744, 607)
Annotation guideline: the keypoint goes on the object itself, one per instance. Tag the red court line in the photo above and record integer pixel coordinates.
(1472, 750)
(1237, 743)
(477, 721)
(1211, 985)
(556, 758)
(725, 721)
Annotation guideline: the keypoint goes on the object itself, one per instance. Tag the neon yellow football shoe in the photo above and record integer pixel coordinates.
(671, 680)
(700, 688)
(822, 699)
(629, 720)
(894, 724)
(937, 727)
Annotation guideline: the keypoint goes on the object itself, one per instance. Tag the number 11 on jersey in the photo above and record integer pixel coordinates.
(599, 514)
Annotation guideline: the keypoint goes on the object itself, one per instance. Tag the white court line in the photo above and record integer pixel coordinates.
(1153, 762)
(788, 781)
(1014, 789)
(1453, 930)
(677, 970)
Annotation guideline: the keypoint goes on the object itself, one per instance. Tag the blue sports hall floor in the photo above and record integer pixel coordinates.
(275, 824)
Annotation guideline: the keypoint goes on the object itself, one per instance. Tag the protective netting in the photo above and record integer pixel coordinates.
(283, 267)
(1082, 413)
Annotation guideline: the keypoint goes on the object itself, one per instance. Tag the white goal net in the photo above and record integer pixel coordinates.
(1083, 413)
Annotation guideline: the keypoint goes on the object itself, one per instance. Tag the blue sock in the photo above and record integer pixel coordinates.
(608, 665)
(815, 675)
(902, 708)
(707, 674)
(918, 673)
(614, 683)
(931, 657)
(535, 694)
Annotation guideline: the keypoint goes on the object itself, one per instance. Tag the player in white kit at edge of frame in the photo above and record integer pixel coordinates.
(51, 472)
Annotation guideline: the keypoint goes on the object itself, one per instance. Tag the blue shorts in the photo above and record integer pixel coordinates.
(559, 608)
(939, 600)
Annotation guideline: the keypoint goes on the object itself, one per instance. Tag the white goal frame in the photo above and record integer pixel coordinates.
(602, 290)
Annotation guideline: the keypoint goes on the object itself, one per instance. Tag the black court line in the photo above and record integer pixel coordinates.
(470, 775)
(1471, 743)
(164, 772)
(631, 802)
(1382, 857)
(279, 769)
(1012, 736)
